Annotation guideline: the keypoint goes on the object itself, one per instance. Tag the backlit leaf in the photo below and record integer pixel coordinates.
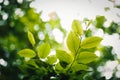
(51, 59)
(86, 57)
(77, 67)
(77, 27)
(27, 53)
(73, 42)
(31, 38)
(91, 42)
(63, 56)
(43, 50)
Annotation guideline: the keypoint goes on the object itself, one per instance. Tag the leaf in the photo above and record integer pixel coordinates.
(59, 68)
(77, 67)
(63, 64)
(27, 53)
(63, 56)
(43, 50)
(51, 59)
(91, 42)
(31, 38)
(86, 57)
(73, 42)
(77, 27)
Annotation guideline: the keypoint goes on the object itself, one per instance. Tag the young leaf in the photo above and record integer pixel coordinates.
(27, 53)
(51, 59)
(31, 38)
(77, 27)
(73, 42)
(43, 50)
(63, 56)
(86, 57)
(77, 67)
(91, 42)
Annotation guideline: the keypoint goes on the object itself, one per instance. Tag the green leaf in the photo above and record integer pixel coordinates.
(63, 64)
(64, 56)
(77, 67)
(86, 57)
(31, 38)
(91, 42)
(73, 42)
(51, 59)
(43, 50)
(27, 53)
(77, 27)
(59, 68)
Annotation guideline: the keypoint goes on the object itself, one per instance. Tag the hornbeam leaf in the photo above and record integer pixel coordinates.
(27, 53)
(43, 50)
(91, 42)
(31, 38)
(63, 56)
(73, 42)
(77, 27)
(86, 57)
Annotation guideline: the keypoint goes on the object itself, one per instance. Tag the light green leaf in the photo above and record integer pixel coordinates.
(59, 68)
(51, 59)
(64, 56)
(73, 42)
(31, 38)
(86, 57)
(28, 53)
(43, 50)
(91, 42)
(77, 67)
(77, 27)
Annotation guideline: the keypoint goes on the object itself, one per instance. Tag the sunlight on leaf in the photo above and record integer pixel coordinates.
(77, 27)
(43, 50)
(51, 59)
(31, 38)
(73, 42)
(86, 57)
(27, 53)
(63, 56)
(91, 42)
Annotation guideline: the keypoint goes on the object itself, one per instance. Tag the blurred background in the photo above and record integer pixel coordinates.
(50, 20)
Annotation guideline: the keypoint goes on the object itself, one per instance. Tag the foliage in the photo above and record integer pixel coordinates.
(32, 57)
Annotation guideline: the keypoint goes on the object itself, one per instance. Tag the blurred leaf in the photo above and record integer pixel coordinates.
(59, 68)
(51, 59)
(77, 27)
(63, 56)
(91, 42)
(86, 57)
(77, 67)
(73, 42)
(43, 50)
(106, 8)
(27, 53)
(31, 38)
(63, 64)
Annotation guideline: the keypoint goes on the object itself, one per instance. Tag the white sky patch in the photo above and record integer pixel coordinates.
(58, 35)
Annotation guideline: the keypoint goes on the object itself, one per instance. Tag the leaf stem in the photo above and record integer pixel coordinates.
(76, 54)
